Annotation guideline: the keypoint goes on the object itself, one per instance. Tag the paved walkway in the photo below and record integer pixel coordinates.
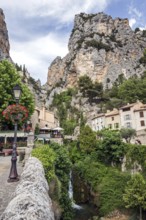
(7, 189)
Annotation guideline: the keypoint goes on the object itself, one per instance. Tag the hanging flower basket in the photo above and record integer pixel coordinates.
(15, 113)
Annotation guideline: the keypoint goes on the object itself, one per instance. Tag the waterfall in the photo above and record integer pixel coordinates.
(75, 206)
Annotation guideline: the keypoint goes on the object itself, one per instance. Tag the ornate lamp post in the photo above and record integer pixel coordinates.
(13, 176)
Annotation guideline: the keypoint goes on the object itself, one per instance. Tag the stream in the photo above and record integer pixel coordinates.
(83, 211)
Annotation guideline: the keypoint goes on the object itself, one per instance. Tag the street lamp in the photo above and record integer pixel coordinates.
(13, 176)
(17, 93)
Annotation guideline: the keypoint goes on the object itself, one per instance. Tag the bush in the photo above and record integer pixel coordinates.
(57, 166)
(98, 44)
(111, 191)
(136, 30)
(47, 156)
(136, 153)
(144, 33)
(62, 170)
(108, 184)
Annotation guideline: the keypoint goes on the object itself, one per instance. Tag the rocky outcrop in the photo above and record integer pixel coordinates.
(4, 40)
(31, 199)
(100, 47)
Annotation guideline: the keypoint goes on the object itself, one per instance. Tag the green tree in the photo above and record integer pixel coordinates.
(95, 91)
(62, 170)
(87, 140)
(111, 190)
(90, 89)
(111, 149)
(69, 126)
(136, 154)
(37, 129)
(8, 79)
(136, 29)
(47, 156)
(135, 193)
(128, 134)
(85, 83)
(130, 90)
(143, 58)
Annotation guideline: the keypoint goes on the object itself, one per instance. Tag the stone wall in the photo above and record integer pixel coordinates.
(31, 199)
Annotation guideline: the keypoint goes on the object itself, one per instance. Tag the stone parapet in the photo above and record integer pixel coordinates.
(31, 199)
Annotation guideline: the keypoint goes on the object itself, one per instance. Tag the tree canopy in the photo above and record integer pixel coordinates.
(90, 89)
(9, 77)
(128, 133)
(87, 139)
(135, 193)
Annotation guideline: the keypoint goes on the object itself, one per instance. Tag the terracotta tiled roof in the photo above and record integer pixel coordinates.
(128, 105)
(140, 108)
(138, 103)
(114, 112)
(99, 115)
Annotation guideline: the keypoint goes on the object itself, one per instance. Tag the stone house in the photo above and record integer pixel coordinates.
(129, 116)
(43, 118)
(98, 122)
(112, 119)
(133, 116)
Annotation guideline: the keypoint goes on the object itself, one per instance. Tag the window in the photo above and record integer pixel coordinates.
(126, 109)
(141, 114)
(127, 117)
(116, 125)
(142, 123)
(112, 118)
(110, 126)
(128, 125)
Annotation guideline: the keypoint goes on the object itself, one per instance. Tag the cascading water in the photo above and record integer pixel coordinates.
(75, 206)
(84, 212)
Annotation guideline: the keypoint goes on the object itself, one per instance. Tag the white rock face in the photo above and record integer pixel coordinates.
(31, 200)
(100, 47)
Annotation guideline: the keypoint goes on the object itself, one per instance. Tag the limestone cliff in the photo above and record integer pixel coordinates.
(100, 47)
(4, 40)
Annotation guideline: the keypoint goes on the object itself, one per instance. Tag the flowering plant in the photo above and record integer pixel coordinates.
(15, 113)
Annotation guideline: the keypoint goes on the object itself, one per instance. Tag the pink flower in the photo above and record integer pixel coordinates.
(15, 112)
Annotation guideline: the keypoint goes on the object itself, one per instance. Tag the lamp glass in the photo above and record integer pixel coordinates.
(17, 92)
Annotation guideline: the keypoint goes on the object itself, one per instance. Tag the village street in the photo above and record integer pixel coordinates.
(7, 189)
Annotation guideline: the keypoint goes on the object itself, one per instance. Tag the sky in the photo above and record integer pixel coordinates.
(39, 30)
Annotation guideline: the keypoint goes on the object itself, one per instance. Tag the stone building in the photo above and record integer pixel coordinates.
(98, 122)
(129, 116)
(112, 119)
(44, 118)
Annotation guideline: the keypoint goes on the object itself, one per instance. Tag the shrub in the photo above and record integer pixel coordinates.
(111, 191)
(62, 170)
(98, 44)
(47, 156)
(136, 30)
(144, 33)
(108, 184)
(57, 165)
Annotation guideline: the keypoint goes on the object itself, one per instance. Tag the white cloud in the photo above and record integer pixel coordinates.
(134, 11)
(36, 55)
(136, 15)
(60, 9)
(132, 22)
(142, 28)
